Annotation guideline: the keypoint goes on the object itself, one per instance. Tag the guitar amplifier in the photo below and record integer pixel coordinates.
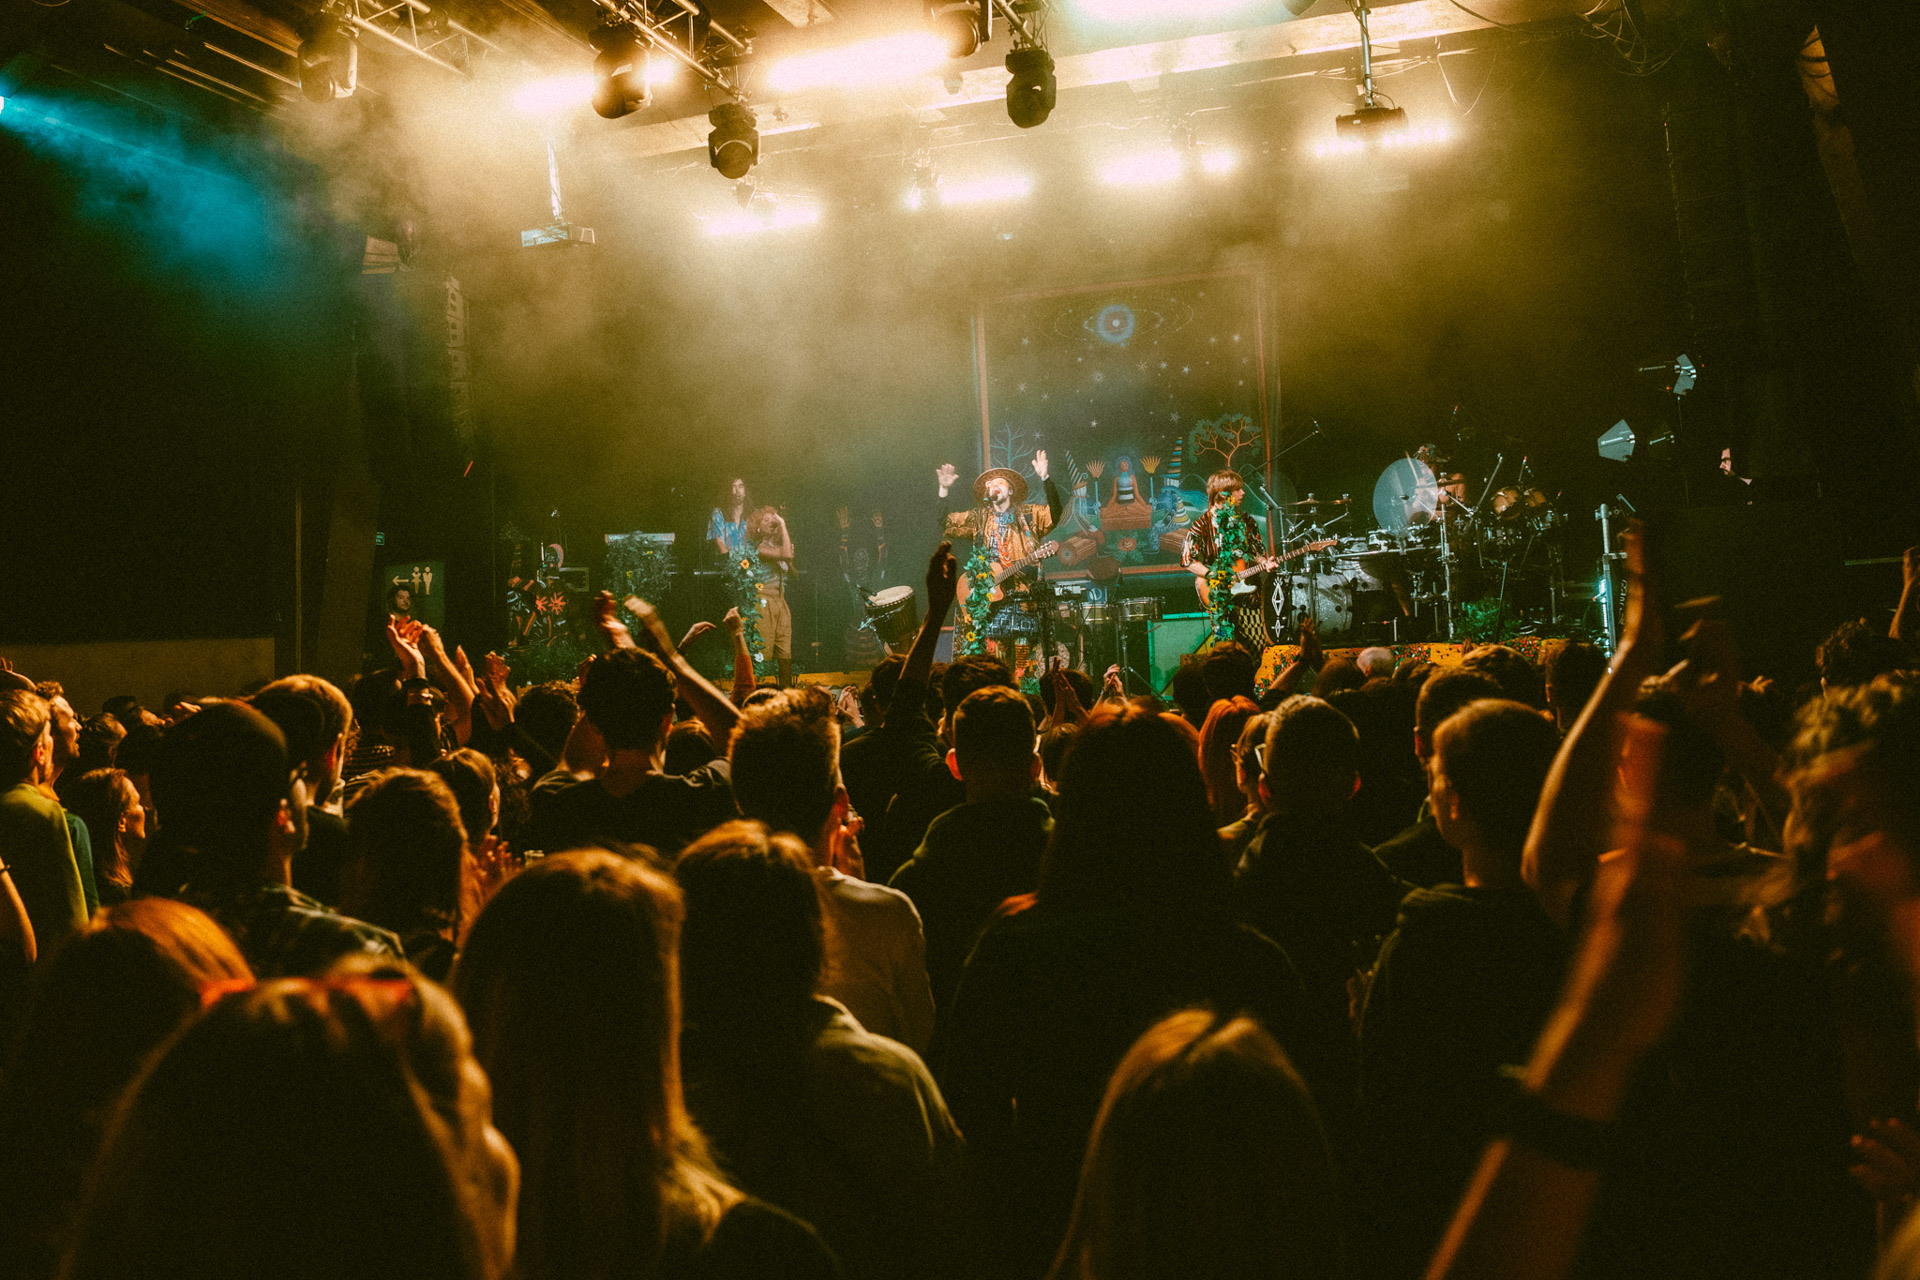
(1171, 639)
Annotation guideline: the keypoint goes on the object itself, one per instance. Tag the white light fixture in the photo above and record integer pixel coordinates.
(871, 62)
(773, 217)
(1219, 161)
(566, 93)
(1144, 169)
(1398, 139)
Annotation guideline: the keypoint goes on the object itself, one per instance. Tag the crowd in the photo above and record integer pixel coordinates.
(1384, 971)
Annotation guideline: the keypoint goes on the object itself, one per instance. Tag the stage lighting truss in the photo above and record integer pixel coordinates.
(411, 26)
(680, 30)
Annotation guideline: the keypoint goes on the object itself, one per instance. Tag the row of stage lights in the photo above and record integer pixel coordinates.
(1141, 169)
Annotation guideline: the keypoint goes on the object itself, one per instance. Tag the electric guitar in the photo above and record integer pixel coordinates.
(1042, 552)
(1242, 583)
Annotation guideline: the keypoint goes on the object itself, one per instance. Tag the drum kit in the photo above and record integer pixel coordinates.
(1438, 551)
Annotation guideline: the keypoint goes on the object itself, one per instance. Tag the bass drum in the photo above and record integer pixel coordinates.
(1326, 598)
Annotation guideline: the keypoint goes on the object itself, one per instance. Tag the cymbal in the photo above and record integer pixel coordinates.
(1319, 502)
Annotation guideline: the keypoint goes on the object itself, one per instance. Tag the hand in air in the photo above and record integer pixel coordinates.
(734, 622)
(606, 618)
(1111, 687)
(652, 630)
(1887, 1161)
(946, 475)
(698, 629)
(943, 576)
(1040, 463)
(412, 664)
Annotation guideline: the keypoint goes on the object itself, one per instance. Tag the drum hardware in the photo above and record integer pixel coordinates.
(894, 616)
(1134, 611)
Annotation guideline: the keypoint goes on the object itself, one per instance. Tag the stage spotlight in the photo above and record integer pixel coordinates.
(734, 145)
(1144, 169)
(1620, 443)
(963, 27)
(1032, 89)
(329, 59)
(1219, 161)
(620, 70)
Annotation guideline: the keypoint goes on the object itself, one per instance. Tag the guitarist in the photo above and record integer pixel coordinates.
(1220, 544)
(1005, 530)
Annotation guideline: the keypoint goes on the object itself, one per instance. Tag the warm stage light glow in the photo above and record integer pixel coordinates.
(1219, 161)
(1162, 10)
(870, 62)
(984, 190)
(555, 93)
(1353, 145)
(1144, 169)
(567, 93)
(779, 217)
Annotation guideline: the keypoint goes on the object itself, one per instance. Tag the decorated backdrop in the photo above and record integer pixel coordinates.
(1135, 391)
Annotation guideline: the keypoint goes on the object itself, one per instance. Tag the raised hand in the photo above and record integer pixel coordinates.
(943, 577)
(844, 853)
(735, 623)
(1887, 1161)
(11, 679)
(651, 626)
(413, 666)
(698, 629)
(1111, 686)
(946, 475)
(606, 618)
(1040, 463)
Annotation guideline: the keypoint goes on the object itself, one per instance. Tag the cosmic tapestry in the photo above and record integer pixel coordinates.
(1136, 392)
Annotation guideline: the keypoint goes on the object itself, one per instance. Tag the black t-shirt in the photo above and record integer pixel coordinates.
(319, 869)
(754, 1241)
(665, 812)
(1049, 1003)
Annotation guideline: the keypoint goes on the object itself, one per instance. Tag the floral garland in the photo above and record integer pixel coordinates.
(745, 586)
(1233, 542)
(967, 639)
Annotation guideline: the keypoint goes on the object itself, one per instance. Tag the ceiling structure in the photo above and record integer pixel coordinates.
(245, 51)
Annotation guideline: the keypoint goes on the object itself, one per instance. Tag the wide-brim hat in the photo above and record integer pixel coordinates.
(1014, 480)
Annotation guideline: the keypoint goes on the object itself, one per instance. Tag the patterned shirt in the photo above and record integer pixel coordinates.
(1202, 542)
(731, 533)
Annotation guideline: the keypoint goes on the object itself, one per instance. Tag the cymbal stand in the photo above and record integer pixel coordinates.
(1446, 569)
(1609, 621)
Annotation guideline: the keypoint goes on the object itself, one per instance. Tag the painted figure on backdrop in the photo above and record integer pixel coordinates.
(740, 565)
(1007, 552)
